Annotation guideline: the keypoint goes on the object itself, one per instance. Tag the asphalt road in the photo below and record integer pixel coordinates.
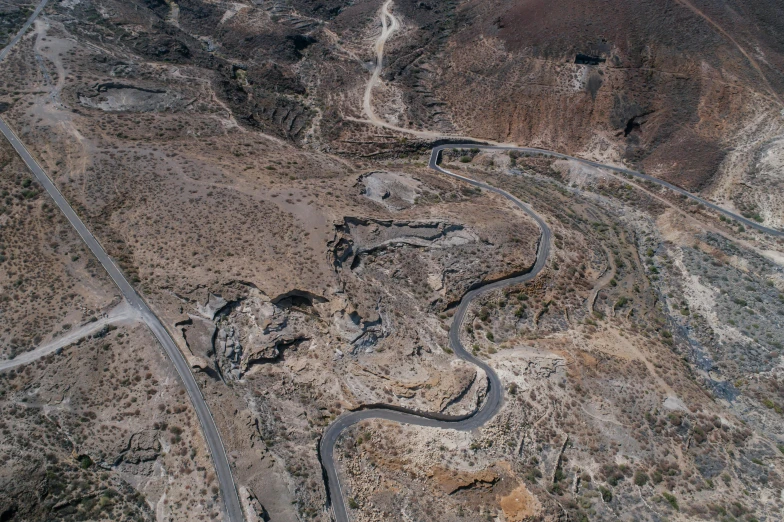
(494, 399)
(471, 421)
(218, 452)
(228, 488)
(542, 152)
(23, 30)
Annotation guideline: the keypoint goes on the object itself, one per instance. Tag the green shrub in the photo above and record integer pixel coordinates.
(672, 500)
(533, 475)
(640, 478)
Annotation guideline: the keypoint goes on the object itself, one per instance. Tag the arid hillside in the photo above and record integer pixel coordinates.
(688, 91)
(260, 172)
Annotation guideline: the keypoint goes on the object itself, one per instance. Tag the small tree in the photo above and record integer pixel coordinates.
(640, 478)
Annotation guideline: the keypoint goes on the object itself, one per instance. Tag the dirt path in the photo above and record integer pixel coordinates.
(7, 49)
(687, 4)
(603, 280)
(390, 24)
(123, 313)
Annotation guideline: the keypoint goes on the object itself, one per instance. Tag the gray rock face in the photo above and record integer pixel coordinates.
(709, 465)
(357, 236)
(256, 329)
(212, 306)
(395, 191)
(198, 333)
(114, 97)
(356, 330)
(254, 511)
(143, 446)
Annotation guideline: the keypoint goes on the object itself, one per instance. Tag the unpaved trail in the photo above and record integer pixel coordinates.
(494, 401)
(687, 4)
(123, 313)
(603, 281)
(7, 49)
(231, 501)
(390, 24)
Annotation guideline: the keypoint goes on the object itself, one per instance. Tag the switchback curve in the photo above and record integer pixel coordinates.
(494, 399)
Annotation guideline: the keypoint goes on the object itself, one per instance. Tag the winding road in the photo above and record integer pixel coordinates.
(212, 436)
(476, 419)
(389, 24)
(621, 170)
(494, 400)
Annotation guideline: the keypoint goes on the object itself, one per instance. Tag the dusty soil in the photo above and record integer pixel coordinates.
(308, 262)
(103, 431)
(50, 282)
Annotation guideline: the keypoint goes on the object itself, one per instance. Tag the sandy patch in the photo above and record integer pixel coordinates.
(520, 505)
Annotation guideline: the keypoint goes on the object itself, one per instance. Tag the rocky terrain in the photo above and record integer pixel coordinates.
(627, 405)
(308, 262)
(103, 431)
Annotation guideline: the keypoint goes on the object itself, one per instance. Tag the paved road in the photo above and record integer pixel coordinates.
(634, 173)
(495, 393)
(218, 452)
(23, 30)
(494, 399)
(389, 24)
(222, 469)
(470, 421)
